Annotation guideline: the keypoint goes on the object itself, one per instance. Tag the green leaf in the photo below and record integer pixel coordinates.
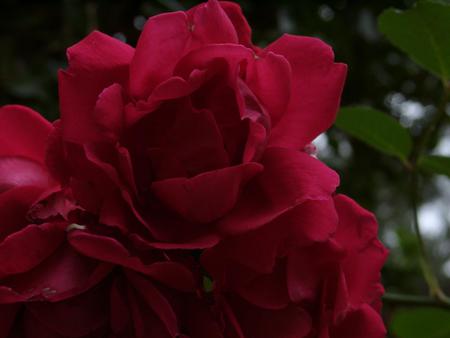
(423, 33)
(377, 129)
(436, 164)
(421, 323)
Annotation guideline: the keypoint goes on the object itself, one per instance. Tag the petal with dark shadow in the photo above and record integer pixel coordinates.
(289, 178)
(208, 196)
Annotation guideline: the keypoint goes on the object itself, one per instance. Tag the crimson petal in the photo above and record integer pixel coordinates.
(289, 179)
(317, 83)
(23, 133)
(208, 196)
(96, 62)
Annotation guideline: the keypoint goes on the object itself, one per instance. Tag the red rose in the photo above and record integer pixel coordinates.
(37, 264)
(176, 130)
(194, 313)
(182, 162)
(47, 289)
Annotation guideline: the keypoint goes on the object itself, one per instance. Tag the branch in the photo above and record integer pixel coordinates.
(421, 146)
(412, 300)
(425, 262)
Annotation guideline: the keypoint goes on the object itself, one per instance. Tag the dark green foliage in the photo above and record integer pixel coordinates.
(421, 323)
(377, 129)
(436, 164)
(423, 33)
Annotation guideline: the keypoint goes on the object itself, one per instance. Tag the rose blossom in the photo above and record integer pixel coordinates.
(37, 264)
(183, 162)
(47, 289)
(195, 140)
(176, 130)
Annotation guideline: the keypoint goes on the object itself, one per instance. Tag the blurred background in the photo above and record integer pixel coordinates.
(35, 34)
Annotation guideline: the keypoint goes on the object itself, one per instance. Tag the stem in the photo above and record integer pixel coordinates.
(437, 297)
(425, 263)
(422, 143)
(411, 300)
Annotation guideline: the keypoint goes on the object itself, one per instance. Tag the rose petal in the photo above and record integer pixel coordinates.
(256, 142)
(156, 301)
(53, 203)
(21, 172)
(40, 241)
(207, 196)
(166, 38)
(256, 250)
(172, 88)
(312, 221)
(196, 141)
(196, 243)
(243, 30)
(76, 317)
(147, 322)
(290, 322)
(93, 177)
(207, 15)
(108, 112)
(110, 250)
(162, 43)
(269, 77)
(203, 58)
(365, 322)
(95, 63)
(267, 291)
(317, 83)
(357, 233)
(23, 133)
(309, 267)
(14, 205)
(289, 179)
(63, 274)
(175, 135)
(120, 312)
(55, 157)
